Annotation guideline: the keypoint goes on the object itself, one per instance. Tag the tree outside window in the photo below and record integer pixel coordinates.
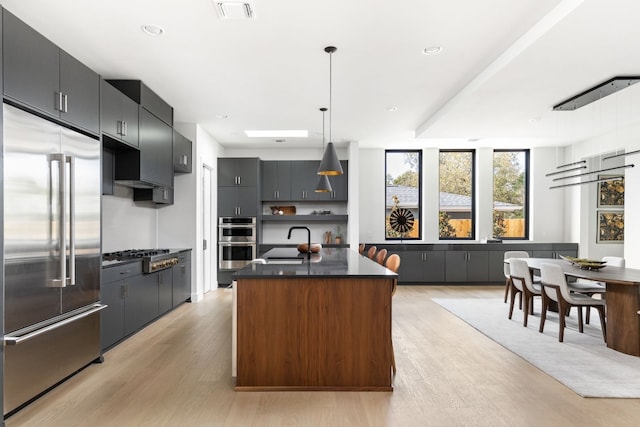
(403, 189)
(457, 199)
(510, 194)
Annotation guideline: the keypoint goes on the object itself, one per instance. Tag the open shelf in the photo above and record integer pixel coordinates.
(305, 218)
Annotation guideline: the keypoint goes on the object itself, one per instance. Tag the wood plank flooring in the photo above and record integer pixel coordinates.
(176, 372)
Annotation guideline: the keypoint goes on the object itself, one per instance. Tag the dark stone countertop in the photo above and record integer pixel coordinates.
(333, 262)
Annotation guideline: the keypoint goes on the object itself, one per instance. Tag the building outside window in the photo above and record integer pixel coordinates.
(457, 195)
(511, 194)
(403, 194)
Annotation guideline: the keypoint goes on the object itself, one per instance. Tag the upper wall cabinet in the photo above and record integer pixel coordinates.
(242, 172)
(182, 156)
(46, 79)
(152, 165)
(304, 180)
(147, 98)
(276, 180)
(119, 115)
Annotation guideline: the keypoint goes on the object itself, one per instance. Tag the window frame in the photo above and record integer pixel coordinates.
(527, 189)
(473, 193)
(420, 210)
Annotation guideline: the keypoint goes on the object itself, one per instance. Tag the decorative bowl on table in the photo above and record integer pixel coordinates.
(315, 248)
(584, 263)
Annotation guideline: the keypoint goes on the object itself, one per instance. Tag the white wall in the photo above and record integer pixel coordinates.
(206, 152)
(584, 197)
(125, 224)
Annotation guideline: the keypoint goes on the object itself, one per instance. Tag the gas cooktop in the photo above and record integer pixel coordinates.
(132, 254)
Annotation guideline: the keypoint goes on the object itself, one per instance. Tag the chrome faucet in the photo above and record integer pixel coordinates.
(308, 238)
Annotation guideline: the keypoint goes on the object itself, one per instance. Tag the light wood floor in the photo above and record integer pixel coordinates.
(176, 372)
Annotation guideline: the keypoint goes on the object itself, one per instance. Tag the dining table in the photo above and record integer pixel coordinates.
(622, 299)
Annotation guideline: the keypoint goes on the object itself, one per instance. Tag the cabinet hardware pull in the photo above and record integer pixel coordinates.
(118, 127)
(124, 128)
(13, 340)
(66, 109)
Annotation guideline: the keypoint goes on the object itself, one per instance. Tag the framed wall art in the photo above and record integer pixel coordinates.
(610, 226)
(610, 193)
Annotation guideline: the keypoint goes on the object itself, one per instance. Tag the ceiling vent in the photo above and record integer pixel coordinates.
(235, 9)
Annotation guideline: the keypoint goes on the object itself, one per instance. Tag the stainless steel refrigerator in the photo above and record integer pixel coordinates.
(51, 254)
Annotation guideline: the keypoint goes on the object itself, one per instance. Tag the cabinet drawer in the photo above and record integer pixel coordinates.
(120, 272)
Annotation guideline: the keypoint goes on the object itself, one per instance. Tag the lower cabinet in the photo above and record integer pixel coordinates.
(135, 299)
(421, 267)
(470, 263)
(141, 302)
(181, 279)
(467, 266)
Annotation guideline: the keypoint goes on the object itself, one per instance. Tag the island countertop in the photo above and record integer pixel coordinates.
(331, 262)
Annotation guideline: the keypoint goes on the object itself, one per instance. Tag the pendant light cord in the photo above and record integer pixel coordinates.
(330, 91)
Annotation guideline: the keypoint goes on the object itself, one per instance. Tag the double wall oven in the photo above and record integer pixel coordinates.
(236, 242)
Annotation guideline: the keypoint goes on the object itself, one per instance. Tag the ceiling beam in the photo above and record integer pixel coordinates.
(551, 19)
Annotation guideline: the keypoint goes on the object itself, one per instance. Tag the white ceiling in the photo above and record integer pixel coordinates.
(504, 64)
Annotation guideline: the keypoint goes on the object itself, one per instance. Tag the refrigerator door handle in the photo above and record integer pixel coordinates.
(72, 221)
(61, 281)
(15, 340)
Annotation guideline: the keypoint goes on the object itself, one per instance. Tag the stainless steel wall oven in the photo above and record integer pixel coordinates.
(236, 242)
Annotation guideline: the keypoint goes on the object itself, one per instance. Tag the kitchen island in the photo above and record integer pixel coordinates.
(319, 323)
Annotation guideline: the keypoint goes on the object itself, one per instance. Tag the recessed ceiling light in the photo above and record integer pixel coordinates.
(390, 108)
(222, 116)
(280, 140)
(473, 139)
(535, 119)
(277, 133)
(432, 50)
(153, 30)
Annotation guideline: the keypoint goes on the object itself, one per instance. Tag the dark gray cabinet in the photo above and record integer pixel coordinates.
(340, 184)
(238, 187)
(112, 317)
(467, 266)
(304, 180)
(146, 98)
(151, 165)
(119, 115)
(421, 267)
(165, 290)
(158, 195)
(46, 79)
(182, 279)
(276, 180)
(182, 157)
(238, 172)
(238, 201)
(141, 305)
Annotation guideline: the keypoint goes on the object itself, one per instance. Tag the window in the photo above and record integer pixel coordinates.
(511, 194)
(403, 194)
(457, 200)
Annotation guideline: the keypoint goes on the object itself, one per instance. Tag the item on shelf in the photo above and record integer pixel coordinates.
(321, 213)
(583, 263)
(328, 236)
(315, 248)
(283, 210)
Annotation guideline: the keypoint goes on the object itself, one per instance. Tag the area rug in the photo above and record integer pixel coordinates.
(582, 362)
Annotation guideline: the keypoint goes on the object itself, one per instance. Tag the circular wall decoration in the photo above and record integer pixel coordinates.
(401, 220)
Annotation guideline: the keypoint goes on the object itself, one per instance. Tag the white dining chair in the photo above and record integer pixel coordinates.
(521, 282)
(555, 288)
(506, 269)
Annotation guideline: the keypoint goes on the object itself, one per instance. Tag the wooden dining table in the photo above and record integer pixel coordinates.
(622, 300)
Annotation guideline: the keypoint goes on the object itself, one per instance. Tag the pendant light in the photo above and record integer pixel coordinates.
(324, 186)
(330, 164)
